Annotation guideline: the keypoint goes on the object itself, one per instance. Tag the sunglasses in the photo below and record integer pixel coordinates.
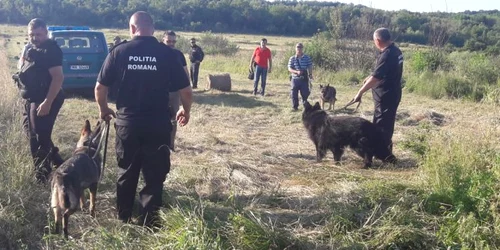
(171, 41)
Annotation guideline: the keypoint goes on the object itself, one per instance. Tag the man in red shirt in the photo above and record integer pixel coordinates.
(263, 60)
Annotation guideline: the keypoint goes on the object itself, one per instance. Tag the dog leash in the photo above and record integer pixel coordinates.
(104, 136)
(351, 103)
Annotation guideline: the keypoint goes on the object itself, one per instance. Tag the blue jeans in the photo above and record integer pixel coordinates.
(303, 87)
(260, 72)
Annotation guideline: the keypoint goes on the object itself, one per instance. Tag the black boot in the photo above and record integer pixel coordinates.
(56, 158)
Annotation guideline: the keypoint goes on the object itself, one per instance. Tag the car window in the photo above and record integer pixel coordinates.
(79, 43)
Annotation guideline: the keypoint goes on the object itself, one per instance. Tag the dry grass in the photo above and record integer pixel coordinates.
(238, 154)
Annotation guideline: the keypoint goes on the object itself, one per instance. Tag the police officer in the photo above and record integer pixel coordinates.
(385, 82)
(145, 71)
(196, 56)
(170, 39)
(40, 85)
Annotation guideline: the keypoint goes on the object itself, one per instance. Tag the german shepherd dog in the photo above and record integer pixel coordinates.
(81, 171)
(328, 94)
(337, 132)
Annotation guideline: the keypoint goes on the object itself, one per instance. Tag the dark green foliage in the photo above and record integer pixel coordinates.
(474, 31)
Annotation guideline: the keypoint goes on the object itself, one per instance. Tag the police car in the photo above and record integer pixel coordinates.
(84, 51)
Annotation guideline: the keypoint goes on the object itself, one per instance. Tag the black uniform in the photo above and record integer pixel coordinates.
(39, 128)
(196, 56)
(145, 72)
(387, 94)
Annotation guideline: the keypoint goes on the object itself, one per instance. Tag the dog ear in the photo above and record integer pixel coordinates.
(97, 128)
(96, 134)
(317, 106)
(86, 128)
(306, 105)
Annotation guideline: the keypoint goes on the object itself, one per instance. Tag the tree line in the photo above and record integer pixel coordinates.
(469, 30)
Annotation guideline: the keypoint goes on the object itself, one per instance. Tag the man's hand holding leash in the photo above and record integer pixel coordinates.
(106, 113)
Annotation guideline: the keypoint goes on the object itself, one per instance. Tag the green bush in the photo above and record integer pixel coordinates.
(442, 84)
(340, 54)
(429, 60)
(457, 88)
(476, 67)
(217, 44)
(427, 84)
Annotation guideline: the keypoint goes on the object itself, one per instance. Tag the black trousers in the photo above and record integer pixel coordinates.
(193, 72)
(384, 116)
(38, 129)
(141, 148)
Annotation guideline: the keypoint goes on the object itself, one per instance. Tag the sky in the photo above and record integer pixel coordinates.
(427, 5)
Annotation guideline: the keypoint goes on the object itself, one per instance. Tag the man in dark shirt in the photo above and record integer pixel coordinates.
(145, 71)
(170, 38)
(196, 56)
(385, 82)
(41, 109)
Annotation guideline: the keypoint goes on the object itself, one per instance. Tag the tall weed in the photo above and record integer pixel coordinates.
(462, 174)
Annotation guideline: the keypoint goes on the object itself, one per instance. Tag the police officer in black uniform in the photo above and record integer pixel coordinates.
(196, 56)
(40, 80)
(145, 71)
(170, 39)
(385, 82)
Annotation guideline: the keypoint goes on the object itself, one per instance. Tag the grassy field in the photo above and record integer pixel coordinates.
(245, 176)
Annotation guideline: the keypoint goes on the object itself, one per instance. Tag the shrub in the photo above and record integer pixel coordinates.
(476, 67)
(340, 54)
(429, 60)
(217, 44)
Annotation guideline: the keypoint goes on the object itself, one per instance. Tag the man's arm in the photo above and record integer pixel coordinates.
(54, 88)
(101, 97)
(55, 85)
(270, 62)
(202, 55)
(186, 70)
(105, 79)
(251, 60)
(370, 82)
(183, 114)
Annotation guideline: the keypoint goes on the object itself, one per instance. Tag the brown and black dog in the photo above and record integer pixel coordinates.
(81, 171)
(328, 94)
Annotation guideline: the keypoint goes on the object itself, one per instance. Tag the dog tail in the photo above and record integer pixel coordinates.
(65, 201)
(67, 196)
